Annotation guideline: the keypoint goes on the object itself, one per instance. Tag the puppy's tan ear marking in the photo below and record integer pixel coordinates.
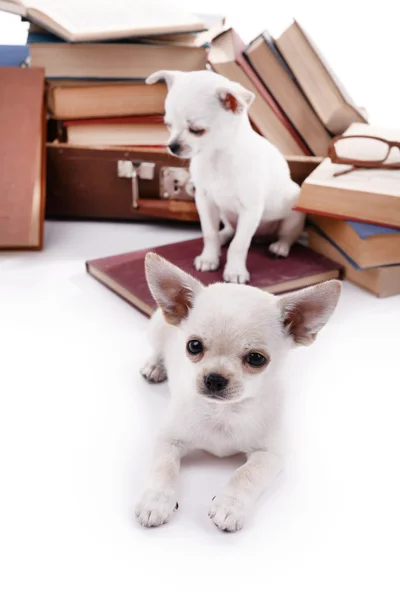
(235, 98)
(305, 313)
(229, 102)
(168, 76)
(172, 289)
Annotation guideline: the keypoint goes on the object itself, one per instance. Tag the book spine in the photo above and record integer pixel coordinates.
(265, 94)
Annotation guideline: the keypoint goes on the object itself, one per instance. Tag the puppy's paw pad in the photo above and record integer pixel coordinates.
(280, 248)
(204, 263)
(236, 275)
(154, 372)
(155, 508)
(227, 513)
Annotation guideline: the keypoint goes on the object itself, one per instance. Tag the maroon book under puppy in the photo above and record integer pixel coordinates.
(124, 273)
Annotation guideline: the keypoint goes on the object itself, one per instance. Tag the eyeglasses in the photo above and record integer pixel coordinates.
(362, 152)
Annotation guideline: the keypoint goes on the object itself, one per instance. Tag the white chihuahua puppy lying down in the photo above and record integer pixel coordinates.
(223, 348)
(240, 178)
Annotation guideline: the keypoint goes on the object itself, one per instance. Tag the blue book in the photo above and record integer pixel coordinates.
(382, 281)
(365, 244)
(367, 230)
(13, 56)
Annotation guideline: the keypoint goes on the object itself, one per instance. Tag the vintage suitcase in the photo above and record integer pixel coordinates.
(126, 183)
(117, 184)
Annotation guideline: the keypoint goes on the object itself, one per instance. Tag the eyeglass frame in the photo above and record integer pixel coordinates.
(361, 164)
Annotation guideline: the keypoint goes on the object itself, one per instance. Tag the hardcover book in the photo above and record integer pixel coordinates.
(324, 91)
(124, 273)
(381, 281)
(368, 195)
(89, 20)
(226, 58)
(22, 165)
(368, 245)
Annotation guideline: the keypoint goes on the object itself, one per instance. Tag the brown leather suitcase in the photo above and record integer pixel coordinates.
(117, 184)
(126, 183)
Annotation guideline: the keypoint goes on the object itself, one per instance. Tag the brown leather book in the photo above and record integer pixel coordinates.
(22, 144)
(124, 273)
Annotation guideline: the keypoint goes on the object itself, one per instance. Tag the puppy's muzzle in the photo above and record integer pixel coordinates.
(215, 383)
(175, 148)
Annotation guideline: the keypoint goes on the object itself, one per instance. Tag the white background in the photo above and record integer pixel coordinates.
(77, 421)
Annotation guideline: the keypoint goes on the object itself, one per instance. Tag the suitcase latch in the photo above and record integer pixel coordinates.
(175, 183)
(132, 170)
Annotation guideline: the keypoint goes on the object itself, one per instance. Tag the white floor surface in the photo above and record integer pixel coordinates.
(77, 422)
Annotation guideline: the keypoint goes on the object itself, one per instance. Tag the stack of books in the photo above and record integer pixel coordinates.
(355, 218)
(97, 58)
(299, 102)
(95, 78)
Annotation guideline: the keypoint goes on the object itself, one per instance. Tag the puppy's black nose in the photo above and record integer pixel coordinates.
(215, 382)
(175, 148)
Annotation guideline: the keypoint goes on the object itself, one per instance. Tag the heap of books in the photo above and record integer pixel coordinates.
(96, 87)
(355, 217)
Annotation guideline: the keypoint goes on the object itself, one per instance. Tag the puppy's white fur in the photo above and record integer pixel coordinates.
(240, 178)
(231, 321)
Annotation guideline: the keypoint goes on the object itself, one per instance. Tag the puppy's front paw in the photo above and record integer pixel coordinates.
(155, 508)
(206, 262)
(235, 273)
(154, 372)
(280, 248)
(227, 513)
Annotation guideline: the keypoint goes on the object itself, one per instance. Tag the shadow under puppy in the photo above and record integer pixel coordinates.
(223, 348)
(240, 178)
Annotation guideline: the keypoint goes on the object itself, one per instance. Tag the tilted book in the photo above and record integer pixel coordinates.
(382, 281)
(368, 245)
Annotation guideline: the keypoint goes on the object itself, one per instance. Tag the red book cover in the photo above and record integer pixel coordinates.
(124, 273)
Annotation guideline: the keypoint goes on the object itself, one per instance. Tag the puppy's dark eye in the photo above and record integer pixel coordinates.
(254, 359)
(197, 131)
(194, 347)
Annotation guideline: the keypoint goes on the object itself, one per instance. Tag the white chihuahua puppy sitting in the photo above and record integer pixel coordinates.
(240, 178)
(223, 349)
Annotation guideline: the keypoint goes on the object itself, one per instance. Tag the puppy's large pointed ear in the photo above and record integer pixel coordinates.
(304, 313)
(172, 289)
(234, 97)
(168, 76)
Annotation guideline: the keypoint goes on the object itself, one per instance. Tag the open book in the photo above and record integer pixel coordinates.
(87, 20)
